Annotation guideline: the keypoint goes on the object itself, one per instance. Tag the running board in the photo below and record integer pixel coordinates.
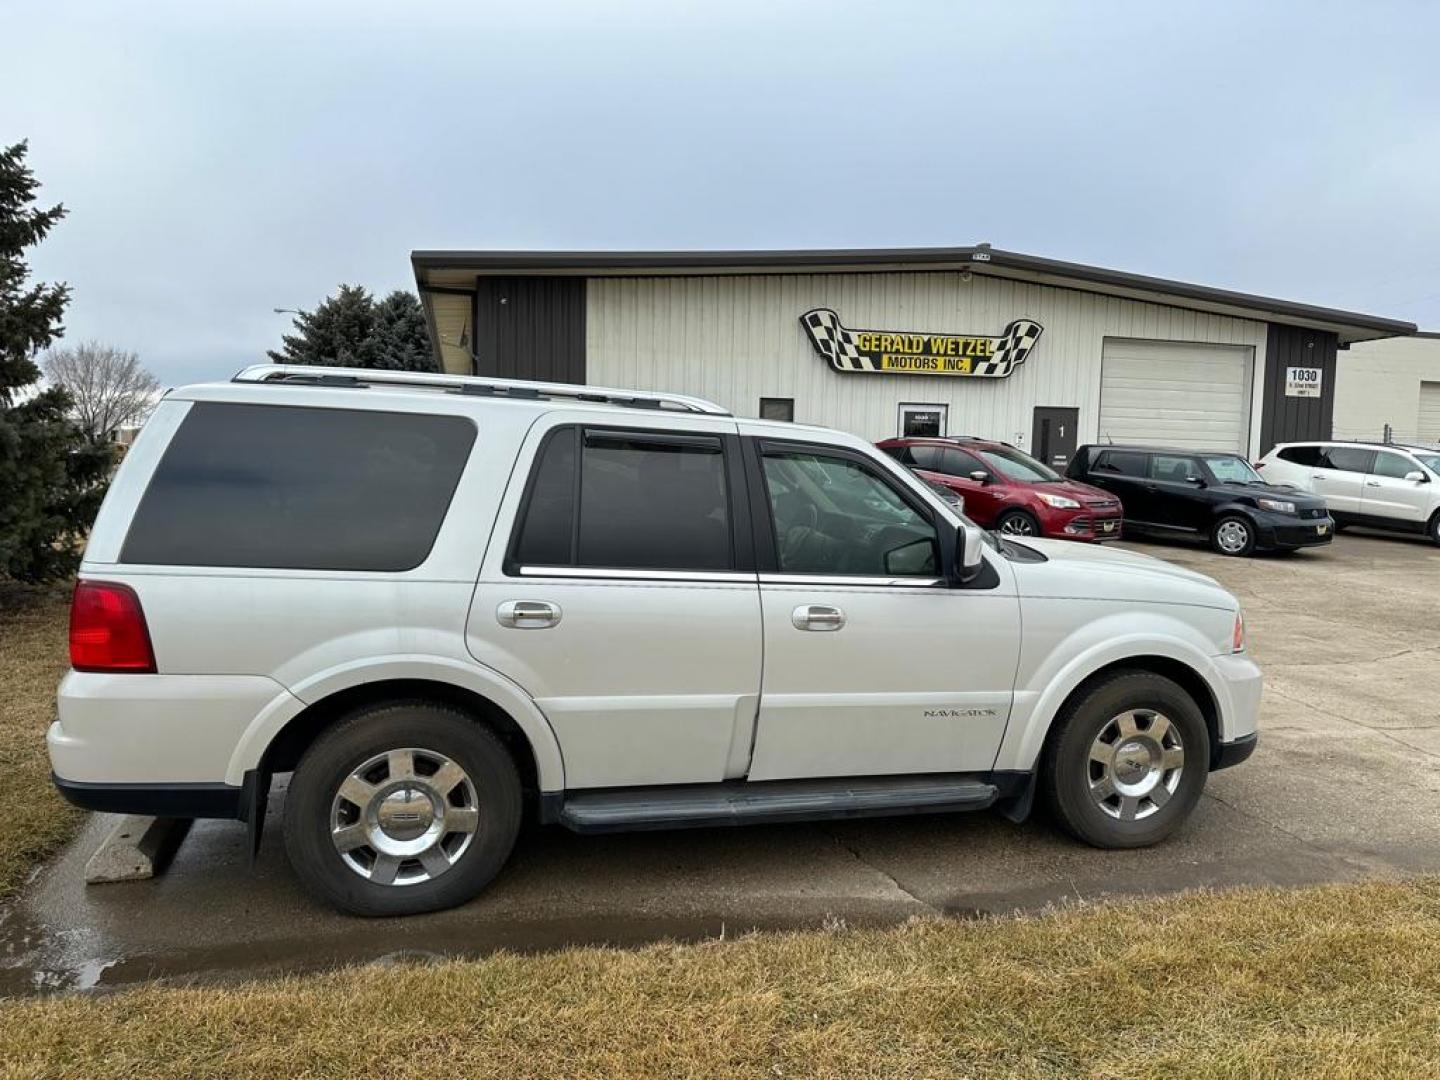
(745, 803)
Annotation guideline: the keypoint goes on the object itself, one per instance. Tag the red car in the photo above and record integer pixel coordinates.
(1010, 491)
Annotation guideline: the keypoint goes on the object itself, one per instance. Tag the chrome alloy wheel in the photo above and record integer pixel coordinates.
(1017, 525)
(1135, 764)
(1232, 536)
(404, 817)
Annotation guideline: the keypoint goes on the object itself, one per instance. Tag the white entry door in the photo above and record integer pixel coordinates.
(1176, 393)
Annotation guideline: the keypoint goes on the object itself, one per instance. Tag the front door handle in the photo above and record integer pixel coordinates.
(817, 617)
(1372, 483)
(528, 614)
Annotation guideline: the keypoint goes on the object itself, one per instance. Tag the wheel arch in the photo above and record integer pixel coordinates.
(1034, 714)
(276, 739)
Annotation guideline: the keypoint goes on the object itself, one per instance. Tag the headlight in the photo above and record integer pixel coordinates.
(1059, 502)
(1280, 506)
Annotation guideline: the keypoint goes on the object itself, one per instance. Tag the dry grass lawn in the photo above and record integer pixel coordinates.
(34, 820)
(1341, 981)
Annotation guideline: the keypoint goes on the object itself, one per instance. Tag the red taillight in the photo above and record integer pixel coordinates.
(107, 629)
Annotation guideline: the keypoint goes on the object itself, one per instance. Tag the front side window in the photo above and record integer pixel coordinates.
(1230, 469)
(1354, 459)
(833, 516)
(297, 488)
(958, 463)
(1393, 465)
(1120, 463)
(1013, 465)
(627, 500)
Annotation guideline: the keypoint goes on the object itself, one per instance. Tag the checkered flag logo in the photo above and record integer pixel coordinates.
(1011, 348)
(835, 343)
(900, 353)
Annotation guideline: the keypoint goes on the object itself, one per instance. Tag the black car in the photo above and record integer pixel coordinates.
(1210, 494)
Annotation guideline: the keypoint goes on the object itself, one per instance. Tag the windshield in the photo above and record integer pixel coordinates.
(1430, 461)
(1229, 469)
(1013, 465)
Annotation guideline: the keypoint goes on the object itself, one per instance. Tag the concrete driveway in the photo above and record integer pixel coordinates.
(1345, 784)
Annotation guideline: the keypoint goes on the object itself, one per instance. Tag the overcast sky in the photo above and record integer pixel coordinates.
(219, 160)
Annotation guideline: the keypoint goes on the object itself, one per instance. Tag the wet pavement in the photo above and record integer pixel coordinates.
(1346, 784)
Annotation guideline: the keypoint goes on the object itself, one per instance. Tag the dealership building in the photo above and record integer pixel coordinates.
(948, 341)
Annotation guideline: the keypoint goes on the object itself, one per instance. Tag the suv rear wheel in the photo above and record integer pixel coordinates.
(1127, 761)
(402, 808)
(1432, 530)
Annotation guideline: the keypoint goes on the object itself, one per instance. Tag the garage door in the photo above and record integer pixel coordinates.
(1176, 393)
(1427, 427)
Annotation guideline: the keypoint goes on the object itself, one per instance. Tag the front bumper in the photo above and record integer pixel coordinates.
(1084, 525)
(1288, 531)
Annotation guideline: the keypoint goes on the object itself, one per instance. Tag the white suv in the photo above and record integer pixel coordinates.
(445, 604)
(1380, 485)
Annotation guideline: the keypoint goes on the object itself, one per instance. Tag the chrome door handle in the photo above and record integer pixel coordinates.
(817, 617)
(528, 614)
(1372, 483)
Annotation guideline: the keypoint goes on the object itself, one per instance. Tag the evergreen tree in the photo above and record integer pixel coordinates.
(51, 477)
(404, 339)
(350, 329)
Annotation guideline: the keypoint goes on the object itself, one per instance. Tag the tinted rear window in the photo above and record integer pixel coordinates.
(1301, 455)
(646, 501)
(1120, 463)
(279, 487)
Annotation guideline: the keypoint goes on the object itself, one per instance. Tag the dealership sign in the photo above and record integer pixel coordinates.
(899, 352)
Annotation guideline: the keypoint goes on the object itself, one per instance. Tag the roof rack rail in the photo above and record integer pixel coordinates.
(298, 375)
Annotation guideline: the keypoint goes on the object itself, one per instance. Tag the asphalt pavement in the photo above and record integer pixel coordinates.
(1345, 785)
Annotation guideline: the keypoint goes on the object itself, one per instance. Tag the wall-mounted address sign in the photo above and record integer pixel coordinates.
(899, 352)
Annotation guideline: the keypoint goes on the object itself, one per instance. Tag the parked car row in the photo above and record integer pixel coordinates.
(1306, 492)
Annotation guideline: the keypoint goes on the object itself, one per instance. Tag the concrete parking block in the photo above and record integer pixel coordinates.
(136, 848)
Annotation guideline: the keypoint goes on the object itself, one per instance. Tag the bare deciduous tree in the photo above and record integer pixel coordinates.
(109, 388)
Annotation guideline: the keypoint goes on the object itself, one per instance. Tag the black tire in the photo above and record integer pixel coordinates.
(1432, 528)
(1020, 522)
(374, 730)
(1233, 525)
(1067, 772)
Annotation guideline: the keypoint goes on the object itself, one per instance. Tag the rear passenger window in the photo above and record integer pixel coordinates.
(640, 500)
(1301, 455)
(902, 454)
(1347, 458)
(293, 488)
(1120, 463)
(1172, 468)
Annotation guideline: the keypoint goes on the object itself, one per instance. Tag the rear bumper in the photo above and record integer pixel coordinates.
(1233, 753)
(156, 800)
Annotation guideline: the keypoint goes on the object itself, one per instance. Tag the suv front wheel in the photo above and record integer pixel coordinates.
(401, 808)
(1127, 761)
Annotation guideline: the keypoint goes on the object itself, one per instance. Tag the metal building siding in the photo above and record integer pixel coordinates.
(736, 339)
(1288, 419)
(530, 328)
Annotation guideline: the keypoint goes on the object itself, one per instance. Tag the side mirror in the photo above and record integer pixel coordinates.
(1198, 481)
(1416, 475)
(980, 476)
(969, 542)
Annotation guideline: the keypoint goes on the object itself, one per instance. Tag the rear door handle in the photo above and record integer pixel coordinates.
(817, 617)
(528, 614)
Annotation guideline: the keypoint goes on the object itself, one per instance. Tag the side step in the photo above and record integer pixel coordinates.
(745, 803)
